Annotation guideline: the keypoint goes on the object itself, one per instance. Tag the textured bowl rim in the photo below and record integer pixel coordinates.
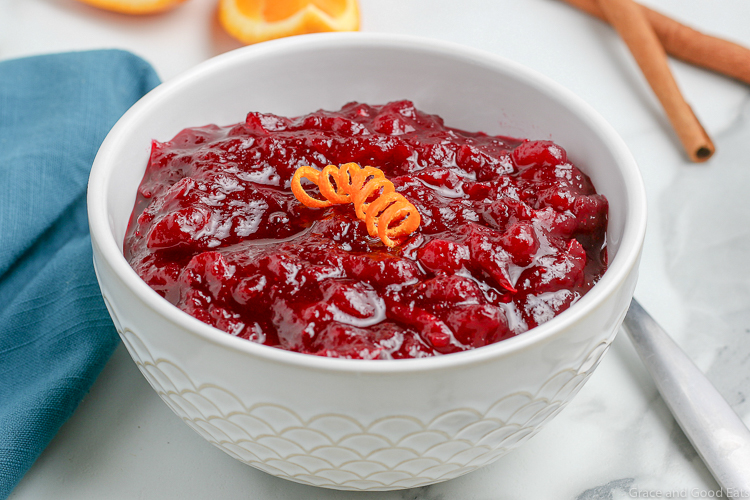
(620, 267)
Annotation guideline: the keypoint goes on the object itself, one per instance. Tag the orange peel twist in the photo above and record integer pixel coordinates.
(300, 193)
(386, 213)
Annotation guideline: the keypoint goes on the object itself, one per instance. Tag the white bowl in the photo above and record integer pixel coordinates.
(353, 424)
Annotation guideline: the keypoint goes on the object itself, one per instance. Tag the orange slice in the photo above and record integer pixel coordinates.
(134, 6)
(253, 21)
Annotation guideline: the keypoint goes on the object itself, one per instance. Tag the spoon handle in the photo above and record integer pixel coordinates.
(717, 433)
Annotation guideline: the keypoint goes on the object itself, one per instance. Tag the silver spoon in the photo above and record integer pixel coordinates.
(716, 432)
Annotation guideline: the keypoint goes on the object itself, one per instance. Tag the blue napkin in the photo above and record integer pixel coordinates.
(55, 333)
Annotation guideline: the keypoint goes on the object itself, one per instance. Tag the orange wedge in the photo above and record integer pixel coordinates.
(253, 21)
(134, 6)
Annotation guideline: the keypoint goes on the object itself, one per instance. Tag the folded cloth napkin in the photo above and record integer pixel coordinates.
(55, 333)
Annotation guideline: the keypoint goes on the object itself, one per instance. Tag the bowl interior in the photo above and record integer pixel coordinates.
(468, 89)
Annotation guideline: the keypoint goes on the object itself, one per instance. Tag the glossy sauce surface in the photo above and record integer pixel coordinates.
(512, 234)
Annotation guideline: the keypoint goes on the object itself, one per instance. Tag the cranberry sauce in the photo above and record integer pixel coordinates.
(511, 235)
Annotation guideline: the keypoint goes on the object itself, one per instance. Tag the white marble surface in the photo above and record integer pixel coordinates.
(617, 438)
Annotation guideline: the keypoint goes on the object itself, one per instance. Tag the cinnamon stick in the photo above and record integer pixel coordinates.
(687, 44)
(631, 23)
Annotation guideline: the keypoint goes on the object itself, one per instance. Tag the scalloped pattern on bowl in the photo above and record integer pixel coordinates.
(338, 451)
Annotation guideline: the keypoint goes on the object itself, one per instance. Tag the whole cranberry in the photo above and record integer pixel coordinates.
(477, 325)
(443, 257)
(539, 153)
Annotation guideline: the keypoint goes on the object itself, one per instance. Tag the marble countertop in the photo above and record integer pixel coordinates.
(617, 438)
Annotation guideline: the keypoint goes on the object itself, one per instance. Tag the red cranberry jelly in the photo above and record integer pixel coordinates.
(512, 234)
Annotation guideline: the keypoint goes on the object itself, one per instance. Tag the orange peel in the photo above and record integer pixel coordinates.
(135, 7)
(386, 213)
(253, 21)
(300, 193)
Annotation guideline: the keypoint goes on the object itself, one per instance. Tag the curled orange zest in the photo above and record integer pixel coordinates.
(387, 214)
(300, 193)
